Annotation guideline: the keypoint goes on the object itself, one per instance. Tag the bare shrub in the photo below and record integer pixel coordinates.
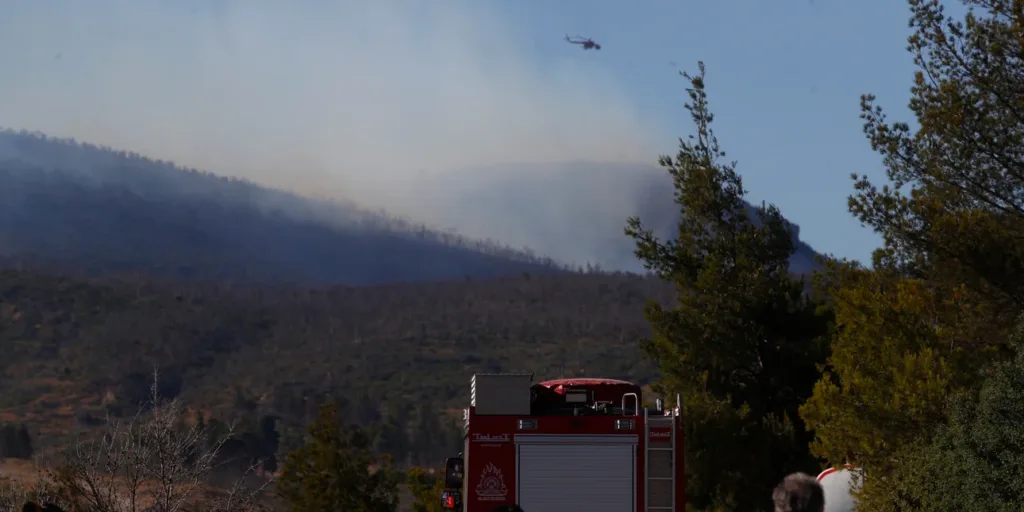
(153, 462)
(13, 495)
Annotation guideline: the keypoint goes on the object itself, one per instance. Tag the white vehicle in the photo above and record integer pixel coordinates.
(838, 485)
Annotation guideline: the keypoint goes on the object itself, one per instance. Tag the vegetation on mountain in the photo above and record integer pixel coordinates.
(15, 442)
(76, 350)
(103, 211)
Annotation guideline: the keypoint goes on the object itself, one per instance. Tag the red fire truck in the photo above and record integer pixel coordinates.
(565, 445)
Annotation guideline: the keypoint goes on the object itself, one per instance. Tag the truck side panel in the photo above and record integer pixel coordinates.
(490, 460)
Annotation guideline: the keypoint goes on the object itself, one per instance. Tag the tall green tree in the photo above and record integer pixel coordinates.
(15, 442)
(743, 340)
(390, 436)
(336, 470)
(25, 442)
(428, 437)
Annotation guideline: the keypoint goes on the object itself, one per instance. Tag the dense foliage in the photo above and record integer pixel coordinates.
(892, 365)
(76, 350)
(974, 463)
(939, 306)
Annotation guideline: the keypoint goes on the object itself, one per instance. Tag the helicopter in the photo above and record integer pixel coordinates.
(586, 43)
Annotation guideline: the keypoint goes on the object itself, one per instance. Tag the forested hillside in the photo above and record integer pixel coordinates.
(77, 349)
(105, 211)
(102, 210)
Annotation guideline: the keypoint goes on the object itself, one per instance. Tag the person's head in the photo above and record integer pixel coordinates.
(799, 492)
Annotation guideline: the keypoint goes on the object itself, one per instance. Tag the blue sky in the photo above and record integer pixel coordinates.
(784, 79)
(353, 97)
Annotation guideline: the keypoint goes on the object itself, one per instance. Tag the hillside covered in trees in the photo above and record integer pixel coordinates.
(78, 349)
(101, 210)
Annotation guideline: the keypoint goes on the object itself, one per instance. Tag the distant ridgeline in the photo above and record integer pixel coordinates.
(104, 210)
(577, 210)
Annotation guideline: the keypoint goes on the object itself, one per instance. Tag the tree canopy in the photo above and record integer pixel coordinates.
(895, 358)
(955, 208)
(945, 291)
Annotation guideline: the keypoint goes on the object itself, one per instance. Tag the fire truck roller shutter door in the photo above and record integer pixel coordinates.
(570, 473)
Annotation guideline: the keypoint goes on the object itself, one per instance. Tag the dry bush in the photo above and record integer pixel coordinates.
(153, 462)
(14, 494)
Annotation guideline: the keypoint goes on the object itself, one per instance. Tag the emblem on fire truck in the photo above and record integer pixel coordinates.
(492, 484)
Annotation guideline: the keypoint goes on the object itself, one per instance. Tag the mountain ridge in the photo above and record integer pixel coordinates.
(563, 197)
(77, 203)
(259, 303)
(125, 202)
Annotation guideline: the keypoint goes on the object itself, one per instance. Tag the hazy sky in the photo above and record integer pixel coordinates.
(354, 97)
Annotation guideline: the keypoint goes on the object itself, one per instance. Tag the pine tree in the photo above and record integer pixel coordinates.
(391, 436)
(336, 470)
(9, 442)
(427, 437)
(24, 443)
(743, 341)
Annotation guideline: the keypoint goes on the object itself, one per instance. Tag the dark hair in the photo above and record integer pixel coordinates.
(799, 492)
